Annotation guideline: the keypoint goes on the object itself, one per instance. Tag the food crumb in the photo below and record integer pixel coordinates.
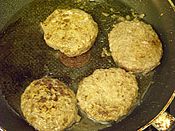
(114, 16)
(105, 53)
(121, 19)
(105, 14)
(161, 14)
(136, 15)
(141, 16)
(111, 9)
(128, 17)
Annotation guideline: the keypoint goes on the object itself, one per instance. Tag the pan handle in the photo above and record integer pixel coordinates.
(164, 122)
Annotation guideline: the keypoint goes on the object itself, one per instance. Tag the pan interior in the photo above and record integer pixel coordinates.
(26, 57)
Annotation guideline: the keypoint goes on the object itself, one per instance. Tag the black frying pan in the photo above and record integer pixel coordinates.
(25, 57)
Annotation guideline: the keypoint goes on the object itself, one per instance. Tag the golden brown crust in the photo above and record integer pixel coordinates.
(47, 104)
(135, 46)
(107, 94)
(73, 31)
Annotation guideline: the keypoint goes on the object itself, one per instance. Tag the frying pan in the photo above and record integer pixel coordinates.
(25, 57)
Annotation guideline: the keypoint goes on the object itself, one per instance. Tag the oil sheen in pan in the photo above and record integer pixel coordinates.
(25, 56)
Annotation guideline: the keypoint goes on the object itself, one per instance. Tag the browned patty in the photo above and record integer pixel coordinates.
(135, 46)
(72, 31)
(107, 94)
(49, 105)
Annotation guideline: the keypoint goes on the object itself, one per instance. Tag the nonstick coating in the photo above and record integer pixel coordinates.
(25, 57)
